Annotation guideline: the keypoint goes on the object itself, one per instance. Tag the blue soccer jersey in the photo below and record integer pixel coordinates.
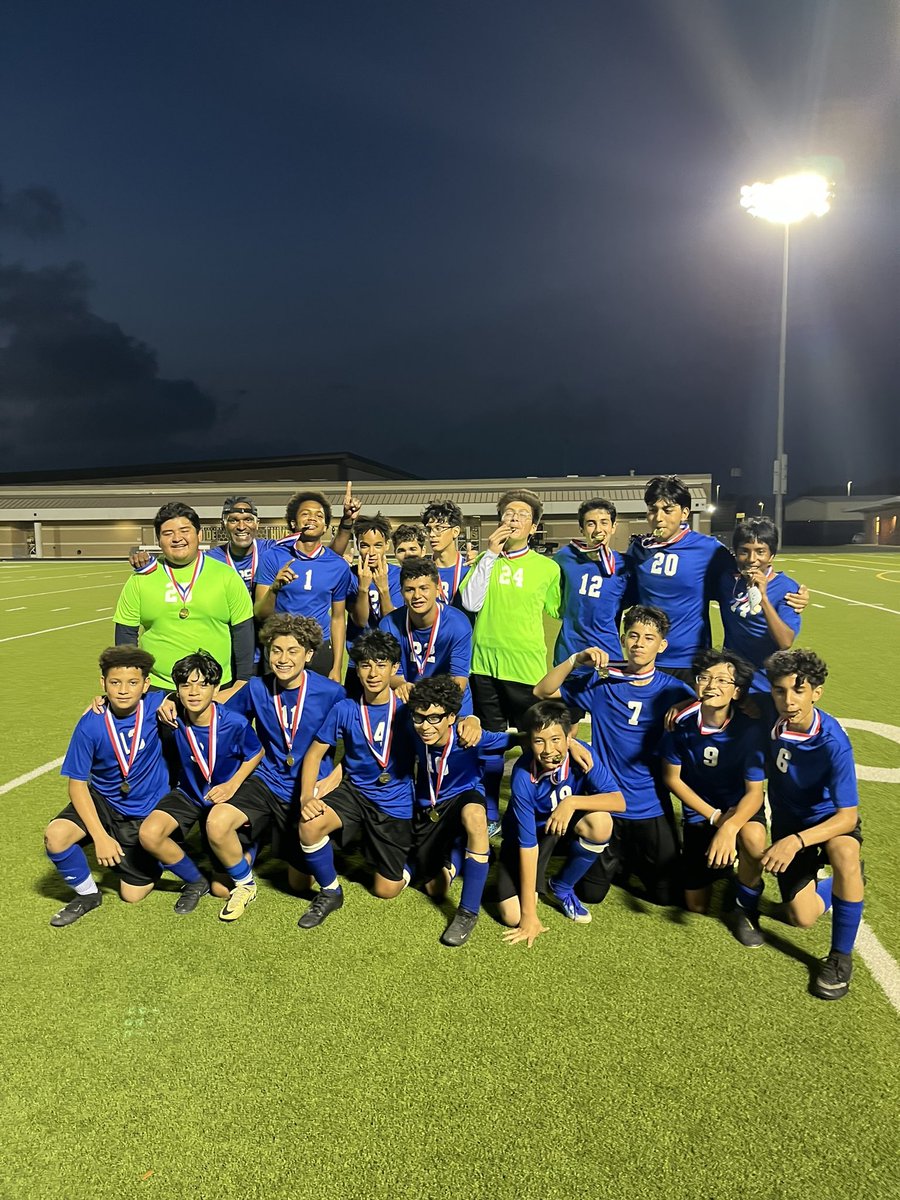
(715, 763)
(375, 613)
(533, 795)
(92, 758)
(322, 580)
(451, 578)
(247, 566)
(443, 772)
(592, 600)
(811, 775)
(235, 743)
(746, 633)
(627, 720)
(391, 740)
(284, 731)
(681, 577)
(444, 648)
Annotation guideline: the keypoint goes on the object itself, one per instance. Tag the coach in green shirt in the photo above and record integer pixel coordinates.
(185, 602)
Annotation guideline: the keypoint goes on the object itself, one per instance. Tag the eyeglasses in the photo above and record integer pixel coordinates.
(430, 529)
(428, 718)
(718, 680)
(514, 514)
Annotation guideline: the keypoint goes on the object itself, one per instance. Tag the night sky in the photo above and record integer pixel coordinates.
(468, 239)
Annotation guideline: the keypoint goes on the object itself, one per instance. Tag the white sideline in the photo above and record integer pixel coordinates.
(882, 966)
(27, 778)
(859, 603)
(54, 629)
(88, 587)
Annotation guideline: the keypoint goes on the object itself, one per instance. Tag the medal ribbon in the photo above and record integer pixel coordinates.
(556, 775)
(781, 732)
(381, 759)
(605, 557)
(454, 587)
(254, 560)
(650, 542)
(185, 592)
(421, 663)
(434, 784)
(320, 549)
(619, 676)
(281, 712)
(515, 553)
(206, 767)
(125, 764)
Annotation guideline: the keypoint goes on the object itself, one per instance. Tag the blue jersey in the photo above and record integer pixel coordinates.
(248, 566)
(532, 798)
(715, 763)
(681, 577)
(451, 578)
(747, 633)
(462, 770)
(344, 722)
(811, 775)
(450, 653)
(274, 722)
(236, 743)
(322, 581)
(592, 600)
(375, 613)
(90, 758)
(627, 722)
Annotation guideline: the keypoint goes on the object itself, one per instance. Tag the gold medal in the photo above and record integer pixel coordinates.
(290, 760)
(434, 813)
(184, 612)
(125, 787)
(384, 778)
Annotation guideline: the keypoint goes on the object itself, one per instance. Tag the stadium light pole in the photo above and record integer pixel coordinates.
(785, 201)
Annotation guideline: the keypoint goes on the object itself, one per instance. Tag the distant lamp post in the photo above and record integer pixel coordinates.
(785, 201)
(849, 486)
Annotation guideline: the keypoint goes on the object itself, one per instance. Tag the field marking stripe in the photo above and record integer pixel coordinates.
(88, 587)
(53, 629)
(28, 776)
(882, 966)
(857, 603)
(831, 562)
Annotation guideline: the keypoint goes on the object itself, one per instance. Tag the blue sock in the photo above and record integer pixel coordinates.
(240, 873)
(320, 860)
(73, 866)
(185, 869)
(252, 850)
(823, 889)
(457, 852)
(845, 924)
(475, 873)
(582, 856)
(492, 774)
(748, 897)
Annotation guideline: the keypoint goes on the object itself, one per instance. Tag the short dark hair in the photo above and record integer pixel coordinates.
(646, 614)
(743, 671)
(230, 503)
(805, 664)
(419, 568)
(126, 656)
(443, 510)
(410, 533)
(756, 529)
(366, 524)
(174, 509)
(375, 644)
(545, 713)
(669, 488)
(200, 661)
(590, 505)
(306, 630)
(522, 496)
(293, 507)
(437, 689)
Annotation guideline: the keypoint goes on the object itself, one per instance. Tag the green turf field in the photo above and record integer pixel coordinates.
(649, 1056)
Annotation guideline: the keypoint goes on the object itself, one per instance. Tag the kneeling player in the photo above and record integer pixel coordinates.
(374, 800)
(553, 803)
(714, 763)
(815, 814)
(116, 775)
(218, 750)
(450, 800)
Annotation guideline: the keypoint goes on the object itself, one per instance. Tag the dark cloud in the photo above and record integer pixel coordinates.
(35, 212)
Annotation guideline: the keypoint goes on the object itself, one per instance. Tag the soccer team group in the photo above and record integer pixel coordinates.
(224, 700)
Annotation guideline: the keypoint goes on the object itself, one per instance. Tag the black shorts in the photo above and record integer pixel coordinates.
(432, 840)
(500, 703)
(137, 866)
(322, 661)
(806, 864)
(268, 817)
(385, 839)
(696, 836)
(647, 848)
(182, 809)
(509, 876)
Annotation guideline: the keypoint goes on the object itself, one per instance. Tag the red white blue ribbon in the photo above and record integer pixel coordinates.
(118, 739)
(383, 758)
(206, 764)
(185, 591)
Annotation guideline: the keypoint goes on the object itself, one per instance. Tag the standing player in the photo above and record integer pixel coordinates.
(815, 815)
(443, 524)
(374, 588)
(116, 775)
(593, 581)
(554, 806)
(190, 600)
(243, 548)
(628, 709)
(714, 763)
(217, 751)
(303, 577)
(409, 542)
(509, 588)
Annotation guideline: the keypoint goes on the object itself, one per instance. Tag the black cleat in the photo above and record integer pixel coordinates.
(746, 929)
(76, 909)
(326, 902)
(191, 895)
(833, 979)
(457, 932)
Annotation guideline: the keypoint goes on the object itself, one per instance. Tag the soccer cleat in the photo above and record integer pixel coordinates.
(833, 979)
(493, 829)
(191, 895)
(457, 932)
(236, 904)
(76, 909)
(326, 902)
(569, 904)
(746, 929)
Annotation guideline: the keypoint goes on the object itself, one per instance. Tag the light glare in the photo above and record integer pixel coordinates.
(788, 199)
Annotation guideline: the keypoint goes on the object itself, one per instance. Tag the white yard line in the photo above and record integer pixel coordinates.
(54, 629)
(27, 778)
(881, 964)
(828, 562)
(89, 587)
(857, 603)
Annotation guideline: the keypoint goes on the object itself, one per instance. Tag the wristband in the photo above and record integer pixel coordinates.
(800, 840)
(714, 816)
(572, 658)
(345, 524)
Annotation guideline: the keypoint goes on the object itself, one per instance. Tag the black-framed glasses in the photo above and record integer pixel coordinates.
(720, 680)
(428, 718)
